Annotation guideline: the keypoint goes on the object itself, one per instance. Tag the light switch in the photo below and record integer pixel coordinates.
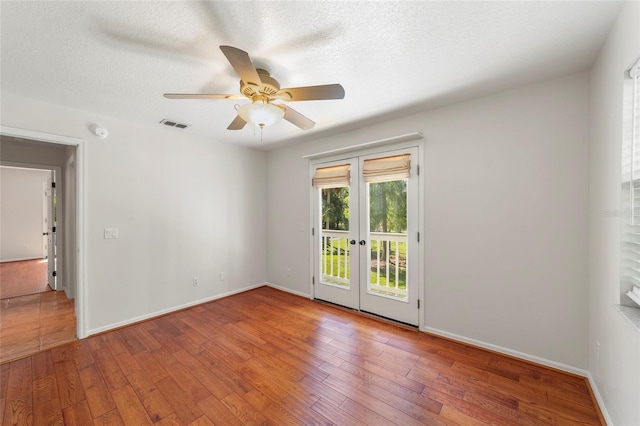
(110, 233)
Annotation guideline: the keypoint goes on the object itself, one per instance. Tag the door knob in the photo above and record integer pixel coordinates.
(362, 242)
(45, 233)
(352, 242)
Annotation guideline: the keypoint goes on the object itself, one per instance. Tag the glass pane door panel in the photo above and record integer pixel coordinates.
(387, 237)
(335, 248)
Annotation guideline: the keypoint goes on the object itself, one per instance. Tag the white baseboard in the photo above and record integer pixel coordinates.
(67, 293)
(599, 400)
(20, 259)
(535, 359)
(511, 352)
(169, 310)
(288, 290)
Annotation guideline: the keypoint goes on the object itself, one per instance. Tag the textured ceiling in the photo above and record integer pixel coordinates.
(118, 58)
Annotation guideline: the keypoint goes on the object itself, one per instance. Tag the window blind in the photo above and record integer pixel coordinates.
(332, 177)
(632, 166)
(634, 73)
(387, 168)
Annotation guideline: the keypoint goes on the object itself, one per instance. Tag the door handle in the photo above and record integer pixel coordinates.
(352, 242)
(362, 242)
(45, 233)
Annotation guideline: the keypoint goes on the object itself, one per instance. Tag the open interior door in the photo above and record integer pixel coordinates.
(51, 231)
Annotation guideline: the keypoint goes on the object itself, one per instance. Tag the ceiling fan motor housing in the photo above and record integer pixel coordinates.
(269, 86)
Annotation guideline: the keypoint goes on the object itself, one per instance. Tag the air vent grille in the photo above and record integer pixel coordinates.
(172, 123)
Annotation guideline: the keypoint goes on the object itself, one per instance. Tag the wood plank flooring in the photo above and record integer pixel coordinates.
(23, 277)
(29, 324)
(268, 357)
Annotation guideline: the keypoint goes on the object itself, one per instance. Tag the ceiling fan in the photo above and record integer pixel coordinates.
(262, 90)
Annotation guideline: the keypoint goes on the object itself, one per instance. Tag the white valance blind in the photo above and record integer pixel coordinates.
(387, 168)
(332, 177)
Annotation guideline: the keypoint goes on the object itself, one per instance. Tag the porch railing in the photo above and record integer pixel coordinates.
(387, 261)
(335, 257)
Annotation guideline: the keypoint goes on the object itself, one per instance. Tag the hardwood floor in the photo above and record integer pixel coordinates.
(268, 357)
(23, 277)
(29, 324)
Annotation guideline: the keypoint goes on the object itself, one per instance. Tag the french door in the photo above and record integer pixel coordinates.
(366, 243)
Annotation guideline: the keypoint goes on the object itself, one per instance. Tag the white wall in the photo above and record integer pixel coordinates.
(22, 213)
(616, 365)
(505, 217)
(185, 206)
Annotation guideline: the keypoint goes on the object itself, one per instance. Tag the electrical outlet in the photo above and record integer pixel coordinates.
(196, 281)
(221, 276)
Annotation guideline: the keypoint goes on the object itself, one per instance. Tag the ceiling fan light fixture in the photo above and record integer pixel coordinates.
(261, 113)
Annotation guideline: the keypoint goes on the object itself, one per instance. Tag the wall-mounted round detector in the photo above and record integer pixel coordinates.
(100, 132)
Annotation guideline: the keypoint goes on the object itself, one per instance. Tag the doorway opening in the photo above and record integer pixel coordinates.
(52, 317)
(366, 250)
(28, 246)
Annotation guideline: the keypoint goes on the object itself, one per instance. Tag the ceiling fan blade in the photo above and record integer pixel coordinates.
(294, 117)
(311, 93)
(240, 61)
(237, 124)
(200, 96)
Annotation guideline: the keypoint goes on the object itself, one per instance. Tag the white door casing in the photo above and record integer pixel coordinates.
(51, 248)
(80, 207)
(45, 221)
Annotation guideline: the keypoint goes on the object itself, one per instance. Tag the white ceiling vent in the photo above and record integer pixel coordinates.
(175, 124)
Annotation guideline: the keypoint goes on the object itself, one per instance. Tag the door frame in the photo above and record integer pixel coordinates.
(81, 208)
(55, 246)
(60, 273)
(413, 140)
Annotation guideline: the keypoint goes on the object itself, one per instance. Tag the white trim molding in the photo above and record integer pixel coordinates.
(39, 136)
(81, 208)
(599, 400)
(366, 145)
(531, 358)
(20, 259)
(170, 310)
(506, 351)
(288, 290)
